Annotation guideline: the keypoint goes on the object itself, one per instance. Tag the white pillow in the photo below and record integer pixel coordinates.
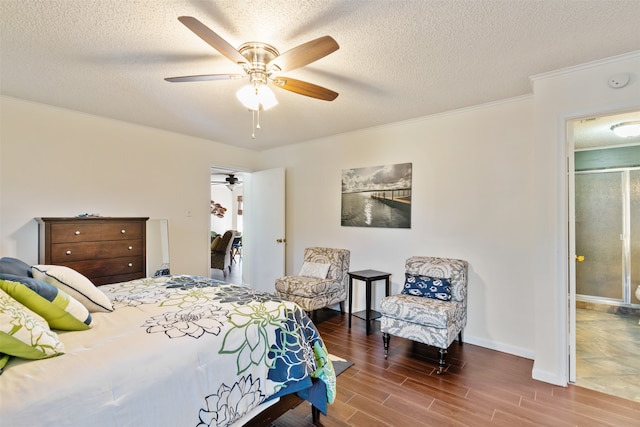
(75, 284)
(315, 269)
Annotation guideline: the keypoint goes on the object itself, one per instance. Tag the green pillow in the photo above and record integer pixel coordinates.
(24, 333)
(60, 310)
(4, 358)
(216, 242)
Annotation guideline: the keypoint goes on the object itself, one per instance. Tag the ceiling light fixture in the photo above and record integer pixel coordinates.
(231, 186)
(627, 129)
(257, 97)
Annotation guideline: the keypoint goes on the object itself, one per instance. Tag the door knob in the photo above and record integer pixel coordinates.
(580, 258)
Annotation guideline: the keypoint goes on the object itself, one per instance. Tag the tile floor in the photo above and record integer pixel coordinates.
(608, 353)
(235, 276)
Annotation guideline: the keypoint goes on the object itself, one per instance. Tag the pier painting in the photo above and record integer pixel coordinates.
(378, 196)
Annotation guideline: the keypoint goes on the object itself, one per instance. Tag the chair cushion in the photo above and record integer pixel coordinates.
(423, 311)
(309, 287)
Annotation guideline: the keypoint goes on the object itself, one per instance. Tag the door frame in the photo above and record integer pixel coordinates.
(571, 232)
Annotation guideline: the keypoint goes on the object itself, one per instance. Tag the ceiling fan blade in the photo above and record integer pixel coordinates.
(205, 77)
(305, 88)
(305, 54)
(214, 40)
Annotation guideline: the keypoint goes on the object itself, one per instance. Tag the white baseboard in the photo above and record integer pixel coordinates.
(504, 348)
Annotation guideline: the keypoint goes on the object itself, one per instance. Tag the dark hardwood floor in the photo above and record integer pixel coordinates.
(482, 387)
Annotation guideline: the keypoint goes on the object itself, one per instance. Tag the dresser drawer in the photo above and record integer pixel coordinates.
(66, 252)
(109, 267)
(122, 230)
(74, 232)
(94, 231)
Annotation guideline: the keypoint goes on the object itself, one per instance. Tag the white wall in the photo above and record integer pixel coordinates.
(560, 96)
(56, 162)
(471, 200)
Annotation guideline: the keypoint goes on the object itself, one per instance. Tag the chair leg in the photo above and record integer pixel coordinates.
(443, 355)
(341, 307)
(460, 337)
(385, 339)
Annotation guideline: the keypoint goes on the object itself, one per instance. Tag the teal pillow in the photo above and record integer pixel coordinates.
(60, 310)
(429, 287)
(24, 333)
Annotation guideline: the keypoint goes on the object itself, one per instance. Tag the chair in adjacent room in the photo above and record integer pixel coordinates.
(323, 280)
(432, 308)
(236, 248)
(221, 252)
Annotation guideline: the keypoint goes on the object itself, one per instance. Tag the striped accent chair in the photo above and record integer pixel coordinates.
(435, 311)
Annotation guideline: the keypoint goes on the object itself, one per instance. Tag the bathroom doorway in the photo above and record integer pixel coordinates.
(605, 175)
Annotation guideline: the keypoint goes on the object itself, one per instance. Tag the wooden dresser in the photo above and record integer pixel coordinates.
(105, 249)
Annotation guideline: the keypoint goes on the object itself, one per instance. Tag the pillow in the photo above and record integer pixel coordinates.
(315, 269)
(4, 358)
(75, 284)
(15, 267)
(425, 286)
(60, 310)
(24, 333)
(216, 242)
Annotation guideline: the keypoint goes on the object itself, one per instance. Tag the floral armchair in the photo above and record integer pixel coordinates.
(323, 280)
(432, 309)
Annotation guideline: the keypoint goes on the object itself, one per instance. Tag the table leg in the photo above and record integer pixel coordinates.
(350, 298)
(368, 315)
(388, 287)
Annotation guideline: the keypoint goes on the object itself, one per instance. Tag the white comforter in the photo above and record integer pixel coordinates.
(176, 351)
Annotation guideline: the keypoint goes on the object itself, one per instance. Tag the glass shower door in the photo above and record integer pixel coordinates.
(599, 223)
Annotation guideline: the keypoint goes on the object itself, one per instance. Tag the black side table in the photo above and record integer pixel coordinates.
(367, 276)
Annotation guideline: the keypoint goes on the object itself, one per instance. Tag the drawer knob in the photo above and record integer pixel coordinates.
(77, 233)
(68, 252)
(123, 231)
(130, 248)
(130, 265)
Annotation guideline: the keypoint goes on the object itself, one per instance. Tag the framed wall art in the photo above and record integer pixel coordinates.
(378, 196)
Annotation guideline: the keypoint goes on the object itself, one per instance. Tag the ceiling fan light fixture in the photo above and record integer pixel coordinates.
(627, 129)
(232, 186)
(258, 97)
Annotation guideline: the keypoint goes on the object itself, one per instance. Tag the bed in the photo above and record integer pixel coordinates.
(174, 351)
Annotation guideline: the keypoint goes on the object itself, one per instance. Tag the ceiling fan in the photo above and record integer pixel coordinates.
(231, 181)
(262, 62)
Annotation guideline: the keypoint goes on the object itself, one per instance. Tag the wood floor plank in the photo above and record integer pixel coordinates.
(482, 387)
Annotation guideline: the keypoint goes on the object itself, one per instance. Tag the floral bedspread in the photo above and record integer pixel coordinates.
(268, 345)
(176, 350)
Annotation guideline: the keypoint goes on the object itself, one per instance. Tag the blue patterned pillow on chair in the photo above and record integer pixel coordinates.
(425, 286)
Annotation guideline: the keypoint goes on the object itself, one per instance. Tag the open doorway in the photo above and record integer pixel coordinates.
(227, 217)
(604, 201)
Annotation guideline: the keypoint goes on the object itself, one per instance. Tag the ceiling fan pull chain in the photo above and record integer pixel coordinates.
(253, 124)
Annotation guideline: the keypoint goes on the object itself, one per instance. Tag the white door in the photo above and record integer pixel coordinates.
(264, 247)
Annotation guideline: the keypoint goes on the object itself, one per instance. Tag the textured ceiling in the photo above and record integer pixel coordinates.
(397, 59)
